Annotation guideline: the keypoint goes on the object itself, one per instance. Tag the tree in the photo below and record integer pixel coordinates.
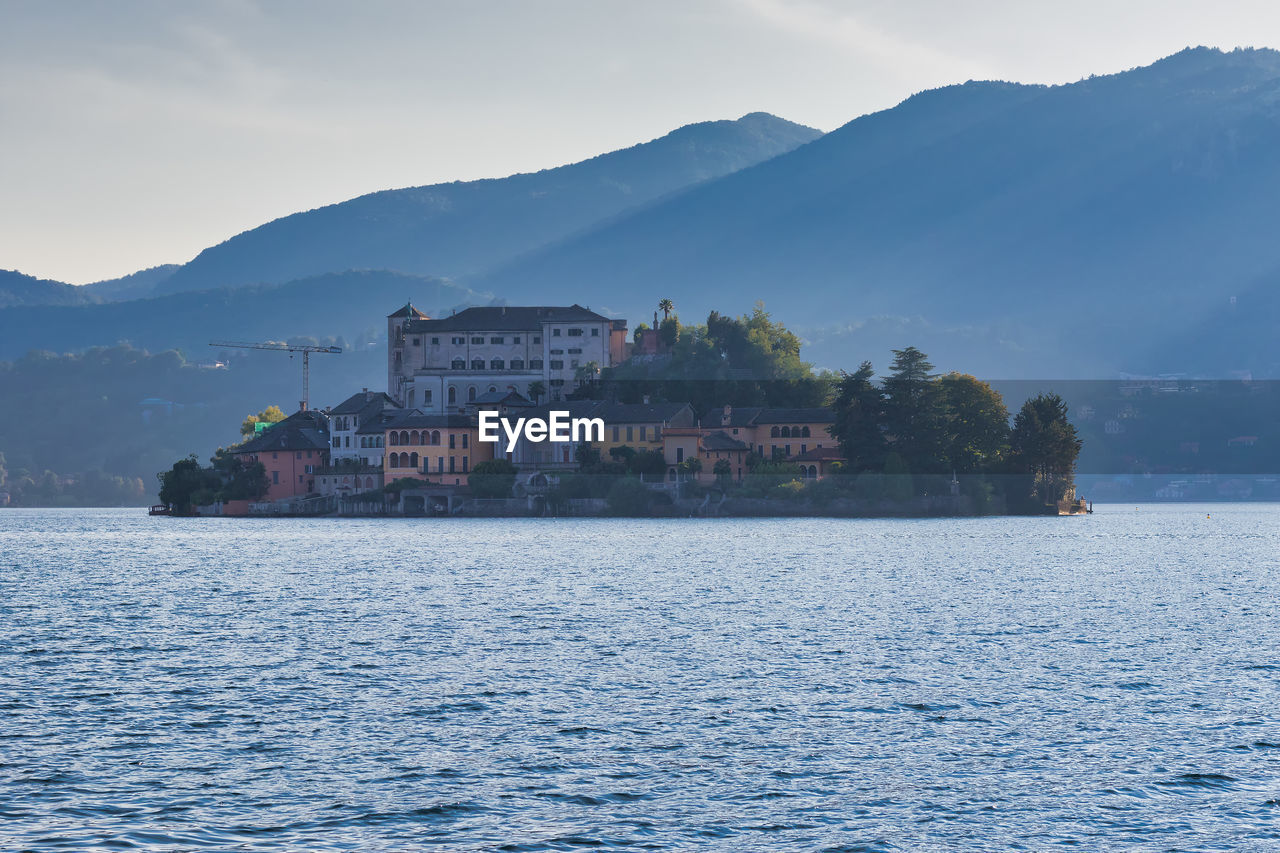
(723, 469)
(669, 331)
(666, 306)
(1044, 446)
(629, 496)
(537, 388)
(270, 415)
(492, 478)
(183, 480)
(977, 424)
(859, 412)
(915, 413)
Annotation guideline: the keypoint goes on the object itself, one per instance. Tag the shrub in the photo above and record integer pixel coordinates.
(492, 478)
(629, 496)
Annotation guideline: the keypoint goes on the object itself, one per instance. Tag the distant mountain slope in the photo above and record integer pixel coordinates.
(19, 289)
(136, 285)
(450, 229)
(350, 304)
(1063, 230)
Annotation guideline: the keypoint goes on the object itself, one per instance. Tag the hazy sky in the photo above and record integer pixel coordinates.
(137, 132)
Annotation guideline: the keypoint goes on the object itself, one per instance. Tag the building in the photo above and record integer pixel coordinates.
(442, 365)
(348, 443)
(776, 433)
(640, 426)
(291, 452)
(434, 448)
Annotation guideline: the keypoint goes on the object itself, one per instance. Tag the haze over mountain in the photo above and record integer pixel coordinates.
(19, 289)
(1004, 228)
(456, 228)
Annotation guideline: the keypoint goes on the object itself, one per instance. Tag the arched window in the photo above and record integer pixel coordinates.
(404, 438)
(414, 438)
(393, 461)
(775, 432)
(804, 432)
(453, 395)
(459, 364)
(368, 482)
(493, 388)
(786, 432)
(813, 471)
(495, 364)
(413, 460)
(477, 364)
(517, 364)
(394, 440)
(471, 394)
(435, 437)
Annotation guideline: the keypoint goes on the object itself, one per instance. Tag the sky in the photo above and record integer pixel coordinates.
(138, 132)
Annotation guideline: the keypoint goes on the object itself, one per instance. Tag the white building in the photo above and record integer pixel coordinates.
(445, 364)
(345, 420)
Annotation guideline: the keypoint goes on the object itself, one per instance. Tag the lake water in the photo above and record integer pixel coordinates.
(988, 684)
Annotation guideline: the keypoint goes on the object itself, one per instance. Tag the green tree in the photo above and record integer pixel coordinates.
(977, 424)
(537, 389)
(666, 306)
(915, 413)
(181, 482)
(1044, 446)
(723, 469)
(492, 478)
(669, 331)
(859, 413)
(629, 496)
(270, 415)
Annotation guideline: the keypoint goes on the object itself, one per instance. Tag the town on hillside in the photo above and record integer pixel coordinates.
(416, 448)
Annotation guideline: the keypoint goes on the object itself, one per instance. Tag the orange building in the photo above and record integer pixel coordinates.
(291, 452)
(434, 448)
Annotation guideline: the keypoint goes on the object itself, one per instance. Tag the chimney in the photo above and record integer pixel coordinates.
(726, 416)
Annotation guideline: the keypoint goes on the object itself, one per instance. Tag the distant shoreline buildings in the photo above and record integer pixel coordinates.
(519, 362)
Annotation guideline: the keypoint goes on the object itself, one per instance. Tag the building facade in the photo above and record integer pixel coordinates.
(345, 419)
(291, 451)
(441, 365)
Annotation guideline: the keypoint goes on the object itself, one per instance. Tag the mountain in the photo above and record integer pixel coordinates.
(351, 304)
(19, 289)
(136, 285)
(455, 228)
(1011, 229)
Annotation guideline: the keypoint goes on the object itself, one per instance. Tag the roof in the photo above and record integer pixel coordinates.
(506, 398)
(796, 416)
(417, 419)
(739, 416)
(299, 431)
(820, 454)
(378, 422)
(408, 311)
(642, 413)
(357, 403)
(720, 440)
(505, 318)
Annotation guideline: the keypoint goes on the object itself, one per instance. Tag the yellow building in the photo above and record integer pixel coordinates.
(435, 448)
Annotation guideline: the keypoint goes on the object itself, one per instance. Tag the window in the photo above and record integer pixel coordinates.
(435, 437)
(426, 396)
(630, 433)
(459, 364)
(573, 362)
(439, 464)
(452, 441)
(556, 383)
(557, 352)
(417, 342)
(477, 364)
(644, 431)
(458, 341)
(451, 464)
(615, 433)
(679, 454)
(471, 394)
(464, 443)
(517, 364)
(348, 445)
(657, 433)
(575, 333)
(804, 432)
(275, 478)
(786, 432)
(575, 351)
(804, 448)
(516, 339)
(411, 403)
(535, 364)
(275, 455)
(413, 460)
(337, 442)
(557, 365)
(775, 432)
(537, 339)
(497, 340)
(555, 333)
(595, 333)
(496, 364)
(435, 342)
(297, 454)
(453, 395)
(477, 339)
(464, 464)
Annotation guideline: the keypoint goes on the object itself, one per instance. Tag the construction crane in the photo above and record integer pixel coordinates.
(289, 348)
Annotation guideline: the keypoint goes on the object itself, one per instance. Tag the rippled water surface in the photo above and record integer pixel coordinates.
(990, 684)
